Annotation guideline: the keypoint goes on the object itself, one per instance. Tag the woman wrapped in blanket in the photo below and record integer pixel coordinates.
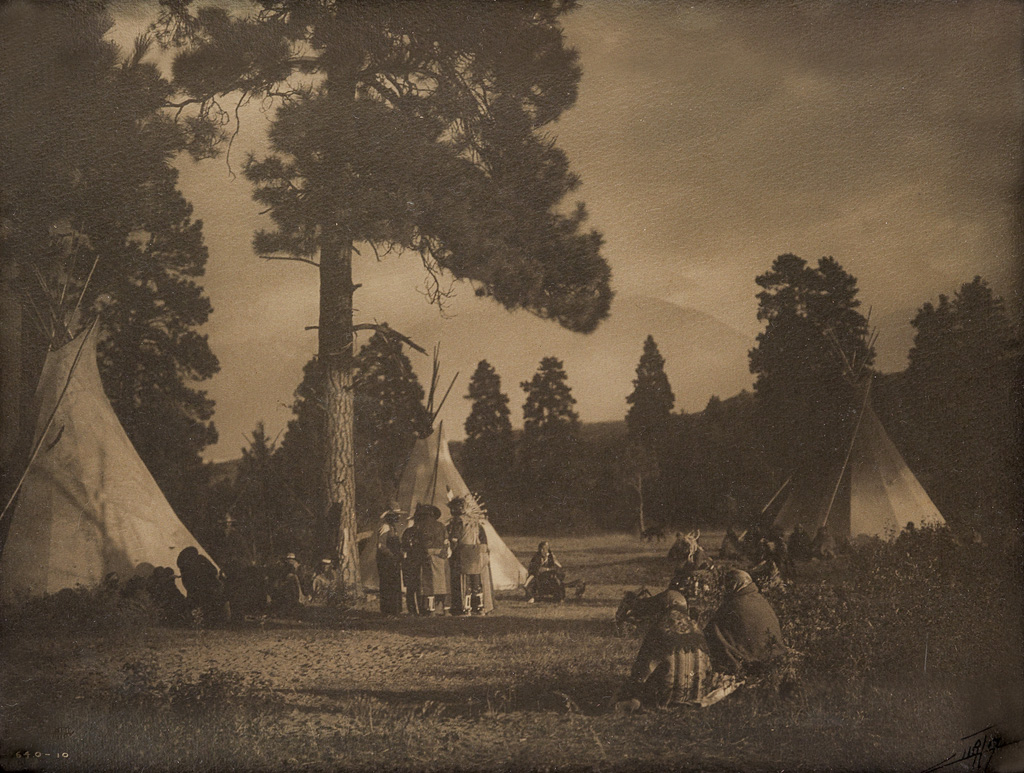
(744, 631)
(673, 666)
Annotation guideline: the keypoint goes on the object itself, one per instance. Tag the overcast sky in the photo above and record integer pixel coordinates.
(711, 137)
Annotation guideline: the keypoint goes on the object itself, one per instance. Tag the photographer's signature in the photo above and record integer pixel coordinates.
(977, 751)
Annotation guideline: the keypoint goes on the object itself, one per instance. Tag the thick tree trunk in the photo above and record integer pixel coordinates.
(336, 342)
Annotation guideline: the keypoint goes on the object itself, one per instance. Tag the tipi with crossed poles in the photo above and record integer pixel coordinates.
(86, 506)
(870, 493)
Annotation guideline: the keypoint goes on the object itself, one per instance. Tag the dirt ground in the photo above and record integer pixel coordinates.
(527, 687)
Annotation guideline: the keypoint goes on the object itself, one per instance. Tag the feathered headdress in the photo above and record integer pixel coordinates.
(473, 510)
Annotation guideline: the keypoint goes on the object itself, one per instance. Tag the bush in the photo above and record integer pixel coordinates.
(910, 606)
(84, 610)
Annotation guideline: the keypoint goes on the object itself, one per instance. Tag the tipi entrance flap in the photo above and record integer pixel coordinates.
(88, 505)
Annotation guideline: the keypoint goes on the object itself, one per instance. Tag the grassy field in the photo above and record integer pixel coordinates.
(532, 686)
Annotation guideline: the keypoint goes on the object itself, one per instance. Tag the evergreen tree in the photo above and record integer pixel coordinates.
(812, 337)
(550, 449)
(650, 404)
(301, 453)
(489, 451)
(94, 222)
(417, 126)
(389, 417)
(962, 400)
(265, 516)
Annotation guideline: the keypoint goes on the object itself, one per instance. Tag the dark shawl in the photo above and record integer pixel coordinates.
(743, 630)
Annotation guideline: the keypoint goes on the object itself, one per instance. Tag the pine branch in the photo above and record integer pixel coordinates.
(388, 332)
(290, 257)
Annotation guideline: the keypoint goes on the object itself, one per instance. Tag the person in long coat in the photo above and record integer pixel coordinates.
(287, 594)
(673, 666)
(744, 631)
(389, 564)
(458, 603)
(433, 558)
(412, 558)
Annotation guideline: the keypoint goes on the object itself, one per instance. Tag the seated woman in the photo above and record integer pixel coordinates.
(744, 631)
(673, 666)
(546, 577)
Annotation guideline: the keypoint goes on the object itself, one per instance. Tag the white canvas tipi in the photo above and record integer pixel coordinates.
(429, 475)
(872, 493)
(88, 505)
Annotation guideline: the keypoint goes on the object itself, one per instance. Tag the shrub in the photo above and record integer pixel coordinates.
(88, 610)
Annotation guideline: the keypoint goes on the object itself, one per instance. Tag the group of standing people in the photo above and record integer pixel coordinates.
(436, 568)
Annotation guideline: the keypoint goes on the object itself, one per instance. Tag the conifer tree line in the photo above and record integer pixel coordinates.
(439, 128)
(954, 412)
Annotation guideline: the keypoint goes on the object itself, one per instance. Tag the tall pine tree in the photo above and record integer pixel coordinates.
(93, 221)
(649, 420)
(489, 449)
(389, 416)
(262, 515)
(813, 329)
(650, 404)
(962, 400)
(549, 455)
(414, 126)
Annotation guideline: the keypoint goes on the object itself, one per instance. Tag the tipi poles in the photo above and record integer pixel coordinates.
(437, 461)
(765, 509)
(49, 422)
(849, 452)
(441, 404)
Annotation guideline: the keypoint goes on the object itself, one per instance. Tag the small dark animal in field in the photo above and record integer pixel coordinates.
(653, 534)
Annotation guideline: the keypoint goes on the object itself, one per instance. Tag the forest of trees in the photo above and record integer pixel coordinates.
(93, 224)
(439, 130)
(954, 413)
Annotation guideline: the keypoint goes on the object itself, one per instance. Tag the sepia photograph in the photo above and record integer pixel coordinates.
(512, 385)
